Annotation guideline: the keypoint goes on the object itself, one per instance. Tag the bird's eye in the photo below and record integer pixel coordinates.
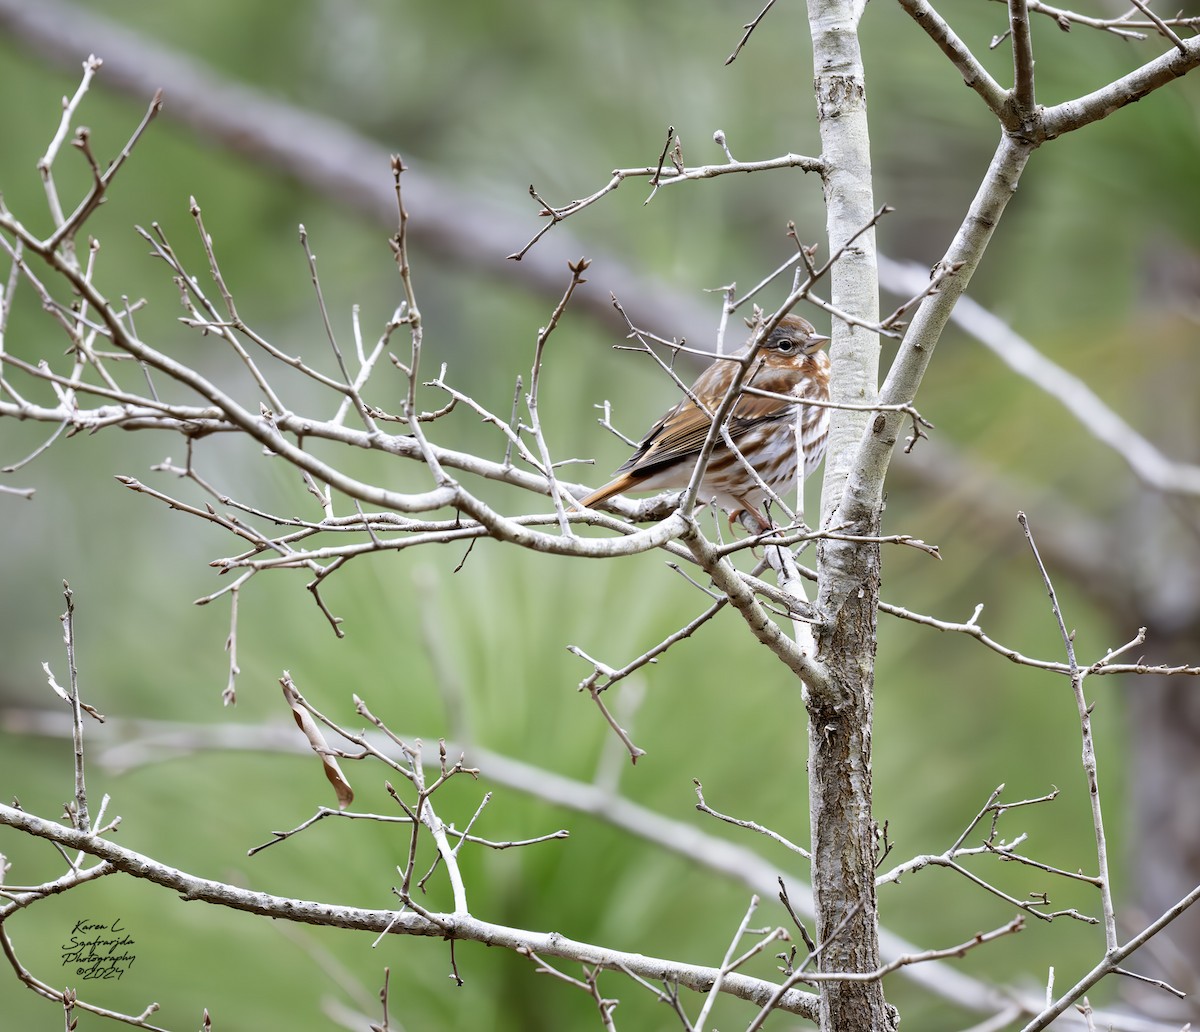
(785, 346)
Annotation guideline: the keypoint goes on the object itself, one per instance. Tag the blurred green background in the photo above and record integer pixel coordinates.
(1096, 262)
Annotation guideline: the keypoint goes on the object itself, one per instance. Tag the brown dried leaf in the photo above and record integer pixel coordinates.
(316, 740)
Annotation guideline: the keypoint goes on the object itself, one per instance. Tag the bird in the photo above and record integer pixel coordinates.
(789, 362)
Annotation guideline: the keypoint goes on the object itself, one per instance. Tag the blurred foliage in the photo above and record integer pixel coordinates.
(493, 96)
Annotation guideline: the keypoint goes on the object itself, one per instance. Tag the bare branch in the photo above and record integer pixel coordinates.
(974, 74)
(1075, 114)
(1160, 24)
(138, 742)
(1123, 26)
(659, 177)
(68, 998)
(764, 628)
(634, 751)
(749, 27)
(611, 676)
(67, 229)
(1109, 965)
(979, 939)
(457, 926)
(972, 628)
(727, 965)
(531, 399)
(703, 807)
(1089, 747)
(1022, 47)
(1144, 459)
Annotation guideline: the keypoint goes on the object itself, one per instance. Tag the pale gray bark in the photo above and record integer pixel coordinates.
(840, 711)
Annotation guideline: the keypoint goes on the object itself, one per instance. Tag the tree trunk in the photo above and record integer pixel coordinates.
(839, 731)
(843, 841)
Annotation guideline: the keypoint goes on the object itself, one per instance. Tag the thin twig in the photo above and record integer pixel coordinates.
(662, 177)
(611, 676)
(703, 807)
(635, 751)
(1161, 25)
(1089, 748)
(654, 179)
(66, 231)
(531, 399)
(352, 394)
(1110, 964)
(79, 810)
(749, 27)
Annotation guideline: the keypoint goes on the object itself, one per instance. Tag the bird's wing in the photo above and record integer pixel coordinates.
(681, 432)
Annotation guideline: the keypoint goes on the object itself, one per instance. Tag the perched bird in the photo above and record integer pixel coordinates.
(789, 362)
